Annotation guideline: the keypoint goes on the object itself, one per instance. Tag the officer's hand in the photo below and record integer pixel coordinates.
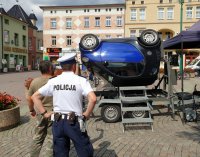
(33, 113)
(86, 115)
(48, 114)
(28, 82)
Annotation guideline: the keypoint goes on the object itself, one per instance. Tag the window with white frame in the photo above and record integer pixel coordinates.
(161, 13)
(133, 33)
(133, 14)
(53, 23)
(6, 36)
(119, 21)
(86, 22)
(97, 21)
(198, 12)
(142, 14)
(68, 23)
(108, 36)
(53, 40)
(69, 40)
(189, 12)
(119, 36)
(108, 21)
(170, 13)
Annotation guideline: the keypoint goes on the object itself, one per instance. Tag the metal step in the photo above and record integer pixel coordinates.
(137, 120)
(134, 99)
(133, 88)
(135, 109)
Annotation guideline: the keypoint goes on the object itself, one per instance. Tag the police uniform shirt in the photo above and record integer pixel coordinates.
(67, 90)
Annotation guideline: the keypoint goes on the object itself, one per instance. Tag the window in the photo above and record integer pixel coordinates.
(6, 36)
(140, 31)
(133, 33)
(133, 14)
(170, 1)
(86, 10)
(86, 22)
(170, 13)
(38, 44)
(108, 21)
(108, 36)
(119, 36)
(161, 1)
(24, 27)
(160, 13)
(30, 44)
(6, 21)
(97, 21)
(198, 12)
(53, 23)
(133, 2)
(16, 39)
(189, 12)
(142, 14)
(189, 0)
(142, 2)
(69, 40)
(68, 23)
(51, 11)
(119, 21)
(53, 40)
(24, 40)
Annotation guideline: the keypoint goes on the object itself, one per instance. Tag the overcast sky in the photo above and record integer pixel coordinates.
(29, 5)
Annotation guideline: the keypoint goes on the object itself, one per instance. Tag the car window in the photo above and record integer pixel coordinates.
(126, 69)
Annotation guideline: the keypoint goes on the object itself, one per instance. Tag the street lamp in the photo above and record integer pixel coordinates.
(181, 54)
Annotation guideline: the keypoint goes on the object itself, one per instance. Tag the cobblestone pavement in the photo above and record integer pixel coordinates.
(170, 138)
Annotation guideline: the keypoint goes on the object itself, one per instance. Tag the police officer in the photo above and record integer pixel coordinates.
(68, 90)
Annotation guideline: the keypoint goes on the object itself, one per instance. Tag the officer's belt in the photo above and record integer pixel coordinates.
(70, 116)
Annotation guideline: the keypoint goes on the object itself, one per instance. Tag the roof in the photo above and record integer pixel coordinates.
(2, 11)
(17, 12)
(32, 16)
(87, 4)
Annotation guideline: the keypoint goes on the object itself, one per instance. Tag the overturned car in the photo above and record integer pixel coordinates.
(123, 61)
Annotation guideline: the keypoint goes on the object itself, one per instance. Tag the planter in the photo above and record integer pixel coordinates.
(9, 118)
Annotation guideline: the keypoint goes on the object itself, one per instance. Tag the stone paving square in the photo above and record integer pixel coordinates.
(171, 138)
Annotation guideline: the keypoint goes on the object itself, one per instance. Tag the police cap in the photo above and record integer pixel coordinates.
(68, 58)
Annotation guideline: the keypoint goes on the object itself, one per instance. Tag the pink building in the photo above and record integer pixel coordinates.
(65, 25)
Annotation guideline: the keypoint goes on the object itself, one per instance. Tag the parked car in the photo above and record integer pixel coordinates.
(123, 61)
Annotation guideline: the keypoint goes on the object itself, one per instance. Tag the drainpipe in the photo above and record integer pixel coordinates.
(2, 40)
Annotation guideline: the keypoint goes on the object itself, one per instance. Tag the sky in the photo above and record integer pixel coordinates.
(29, 5)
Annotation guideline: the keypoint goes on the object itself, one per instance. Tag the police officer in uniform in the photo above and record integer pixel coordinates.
(68, 90)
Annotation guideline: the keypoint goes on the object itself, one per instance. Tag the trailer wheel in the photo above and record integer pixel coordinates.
(139, 114)
(111, 113)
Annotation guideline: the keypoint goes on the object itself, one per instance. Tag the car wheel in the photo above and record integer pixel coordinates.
(89, 42)
(111, 113)
(149, 37)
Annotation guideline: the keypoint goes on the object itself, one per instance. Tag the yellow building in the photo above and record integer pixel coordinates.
(162, 16)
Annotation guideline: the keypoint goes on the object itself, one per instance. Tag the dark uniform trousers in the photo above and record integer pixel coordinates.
(63, 131)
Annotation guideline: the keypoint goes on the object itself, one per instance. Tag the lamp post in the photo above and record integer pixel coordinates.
(181, 54)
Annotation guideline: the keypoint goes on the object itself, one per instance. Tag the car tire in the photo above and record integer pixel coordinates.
(110, 113)
(89, 42)
(149, 37)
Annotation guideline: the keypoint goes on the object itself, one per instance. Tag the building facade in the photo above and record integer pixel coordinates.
(162, 16)
(39, 47)
(65, 25)
(14, 43)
